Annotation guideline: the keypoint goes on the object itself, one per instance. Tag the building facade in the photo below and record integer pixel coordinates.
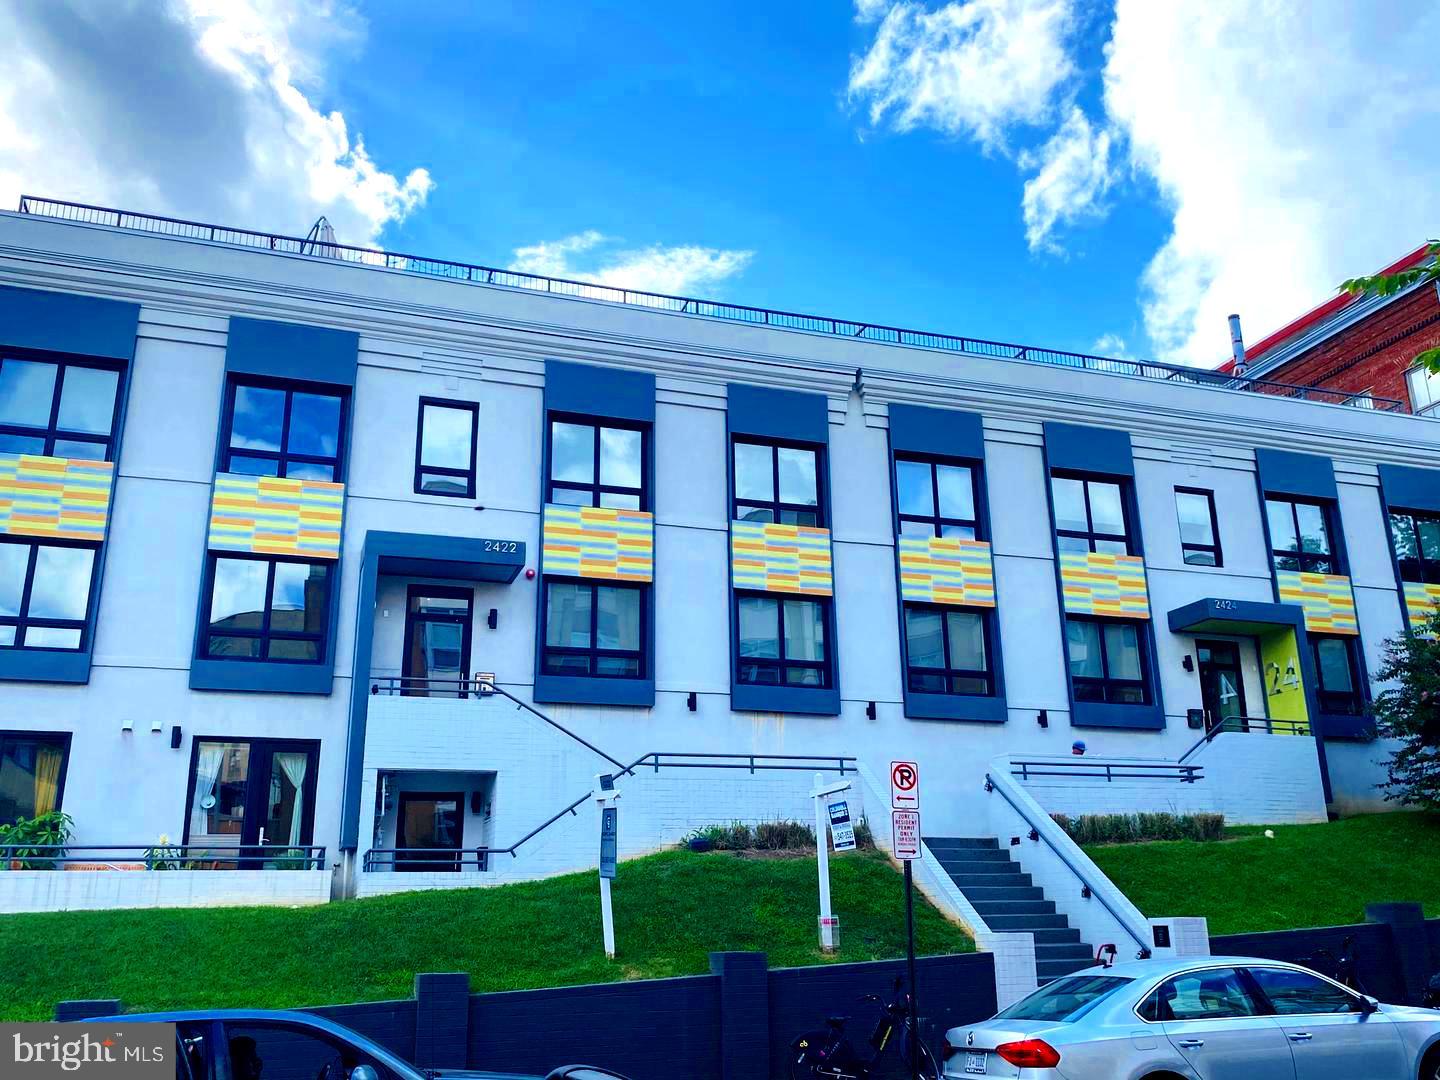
(273, 523)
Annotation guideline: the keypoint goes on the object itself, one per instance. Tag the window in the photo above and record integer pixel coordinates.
(278, 1050)
(781, 641)
(1335, 668)
(445, 448)
(1417, 545)
(1089, 515)
(1199, 532)
(597, 465)
(1424, 387)
(935, 499)
(1299, 536)
(1107, 660)
(1066, 999)
(267, 609)
(1361, 399)
(594, 630)
(246, 792)
(279, 431)
(947, 650)
(777, 483)
(58, 408)
(32, 774)
(1298, 993)
(44, 593)
(1216, 994)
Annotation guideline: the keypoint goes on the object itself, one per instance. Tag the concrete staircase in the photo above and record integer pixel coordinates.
(1008, 901)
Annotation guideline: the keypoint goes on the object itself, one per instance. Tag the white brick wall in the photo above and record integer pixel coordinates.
(92, 890)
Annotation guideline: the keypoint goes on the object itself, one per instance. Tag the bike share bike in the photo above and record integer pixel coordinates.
(827, 1054)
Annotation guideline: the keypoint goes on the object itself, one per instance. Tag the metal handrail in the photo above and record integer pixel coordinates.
(294, 856)
(657, 760)
(437, 860)
(1244, 725)
(479, 274)
(1109, 771)
(1038, 832)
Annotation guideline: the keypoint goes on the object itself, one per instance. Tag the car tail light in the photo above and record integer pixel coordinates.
(1029, 1054)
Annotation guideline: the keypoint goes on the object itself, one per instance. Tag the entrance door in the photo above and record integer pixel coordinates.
(429, 820)
(1222, 690)
(257, 796)
(437, 641)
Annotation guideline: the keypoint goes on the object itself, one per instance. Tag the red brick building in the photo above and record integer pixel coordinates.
(1359, 345)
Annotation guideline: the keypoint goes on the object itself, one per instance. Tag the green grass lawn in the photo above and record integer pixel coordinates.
(1308, 875)
(671, 911)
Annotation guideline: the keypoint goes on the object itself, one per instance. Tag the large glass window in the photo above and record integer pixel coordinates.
(947, 650)
(1337, 672)
(597, 465)
(935, 498)
(1199, 535)
(58, 408)
(445, 448)
(1300, 536)
(266, 609)
(594, 630)
(1090, 515)
(258, 792)
(32, 773)
(1210, 994)
(44, 593)
(283, 431)
(781, 641)
(1424, 386)
(1107, 660)
(1417, 545)
(777, 483)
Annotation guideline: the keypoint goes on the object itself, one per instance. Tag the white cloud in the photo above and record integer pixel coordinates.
(1073, 174)
(1294, 142)
(1112, 345)
(194, 108)
(971, 68)
(682, 269)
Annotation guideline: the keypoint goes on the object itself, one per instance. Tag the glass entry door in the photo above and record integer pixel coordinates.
(1222, 690)
(437, 641)
(255, 796)
(429, 820)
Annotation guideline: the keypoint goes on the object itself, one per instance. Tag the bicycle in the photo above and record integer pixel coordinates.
(827, 1054)
(1342, 969)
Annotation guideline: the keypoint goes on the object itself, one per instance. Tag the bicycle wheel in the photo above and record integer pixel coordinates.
(894, 1064)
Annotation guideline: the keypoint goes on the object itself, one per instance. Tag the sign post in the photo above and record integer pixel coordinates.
(905, 841)
(825, 810)
(609, 855)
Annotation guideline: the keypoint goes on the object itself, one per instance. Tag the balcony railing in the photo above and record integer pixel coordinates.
(1252, 725)
(427, 860)
(477, 274)
(159, 857)
(1110, 771)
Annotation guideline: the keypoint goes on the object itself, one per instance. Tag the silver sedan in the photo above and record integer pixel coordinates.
(1217, 1018)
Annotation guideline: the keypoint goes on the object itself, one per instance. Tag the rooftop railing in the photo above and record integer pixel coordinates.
(477, 274)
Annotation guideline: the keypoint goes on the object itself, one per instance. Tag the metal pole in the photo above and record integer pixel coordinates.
(910, 961)
(822, 859)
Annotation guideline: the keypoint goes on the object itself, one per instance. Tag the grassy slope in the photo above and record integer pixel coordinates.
(1308, 875)
(671, 911)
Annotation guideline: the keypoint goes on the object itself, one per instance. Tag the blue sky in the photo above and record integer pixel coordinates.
(1108, 175)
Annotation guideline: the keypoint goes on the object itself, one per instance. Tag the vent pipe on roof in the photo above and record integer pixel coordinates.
(1237, 345)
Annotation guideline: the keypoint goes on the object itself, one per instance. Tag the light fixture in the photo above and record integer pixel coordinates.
(175, 735)
(1043, 719)
(870, 711)
(1188, 663)
(156, 726)
(493, 620)
(692, 702)
(127, 725)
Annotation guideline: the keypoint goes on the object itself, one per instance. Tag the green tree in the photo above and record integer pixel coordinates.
(1409, 712)
(1390, 284)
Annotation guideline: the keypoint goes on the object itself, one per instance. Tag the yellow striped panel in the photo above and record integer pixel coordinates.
(781, 558)
(1327, 600)
(61, 498)
(271, 515)
(598, 542)
(946, 570)
(1097, 583)
(1421, 601)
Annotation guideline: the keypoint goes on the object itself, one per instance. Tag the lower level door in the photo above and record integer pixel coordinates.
(255, 797)
(428, 820)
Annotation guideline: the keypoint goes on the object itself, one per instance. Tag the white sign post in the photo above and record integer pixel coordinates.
(905, 842)
(821, 795)
(605, 796)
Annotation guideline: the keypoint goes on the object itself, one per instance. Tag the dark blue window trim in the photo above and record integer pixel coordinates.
(78, 327)
(1306, 476)
(598, 690)
(1078, 448)
(291, 352)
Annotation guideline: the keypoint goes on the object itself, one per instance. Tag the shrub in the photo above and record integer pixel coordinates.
(1135, 828)
(770, 836)
(24, 844)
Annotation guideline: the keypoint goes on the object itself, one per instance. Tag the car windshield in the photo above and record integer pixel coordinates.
(1064, 1000)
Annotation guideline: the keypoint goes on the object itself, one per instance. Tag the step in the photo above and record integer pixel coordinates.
(972, 854)
(1027, 922)
(986, 908)
(1072, 951)
(1047, 970)
(991, 894)
(989, 881)
(994, 866)
(948, 843)
(1068, 936)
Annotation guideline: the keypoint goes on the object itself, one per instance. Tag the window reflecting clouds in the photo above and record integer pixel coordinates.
(58, 580)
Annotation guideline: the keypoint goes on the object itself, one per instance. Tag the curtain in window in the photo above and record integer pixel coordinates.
(207, 771)
(47, 779)
(294, 765)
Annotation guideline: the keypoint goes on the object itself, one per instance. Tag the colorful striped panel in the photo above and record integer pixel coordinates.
(1421, 600)
(599, 542)
(1095, 583)
(64, 498)
(946, 570)
(1327, 599)
(268, 515)
(780, 558)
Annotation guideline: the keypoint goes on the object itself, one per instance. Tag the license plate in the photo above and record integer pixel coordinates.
(975, 1064)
